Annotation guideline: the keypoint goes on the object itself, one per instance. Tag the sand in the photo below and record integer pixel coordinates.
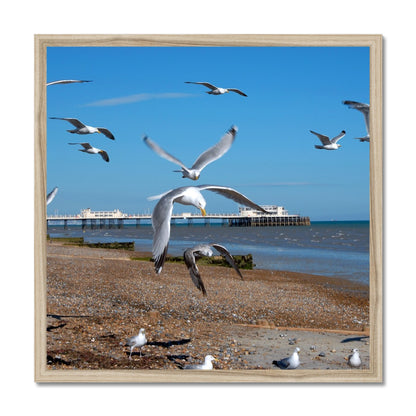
(98, 298)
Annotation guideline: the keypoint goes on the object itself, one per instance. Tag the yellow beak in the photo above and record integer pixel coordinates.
(203, 212)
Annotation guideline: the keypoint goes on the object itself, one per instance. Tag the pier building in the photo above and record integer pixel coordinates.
(246, 217)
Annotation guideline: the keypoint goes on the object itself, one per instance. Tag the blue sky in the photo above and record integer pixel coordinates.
(141, 90)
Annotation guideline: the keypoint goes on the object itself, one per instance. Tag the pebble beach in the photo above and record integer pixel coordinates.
(97, 298)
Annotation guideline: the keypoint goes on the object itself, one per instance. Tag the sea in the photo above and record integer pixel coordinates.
(328, 248)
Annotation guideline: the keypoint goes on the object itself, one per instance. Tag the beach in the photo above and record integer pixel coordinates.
(97, 298)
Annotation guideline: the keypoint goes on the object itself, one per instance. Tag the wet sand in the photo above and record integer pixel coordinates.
(98, 298)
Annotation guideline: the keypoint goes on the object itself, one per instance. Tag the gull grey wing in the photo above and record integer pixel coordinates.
(84, 145)
(340, 136)
(322, 138)
(106, 132)
(232, 194)
(237, 91)
(190, 262)
(363, 108)
(216, 151)
(66, 81)
(162, 153)
(161, 225)
(284, 363)
(104, 155)
(206, 84)
(51, 195)
(228, 257)
(358, 106)
(76, 123)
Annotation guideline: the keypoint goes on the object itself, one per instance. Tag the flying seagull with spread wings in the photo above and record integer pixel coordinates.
(186, 195)
(365, 110)
(217, 90)
(81, 128)
(207, 157)
(192, 254)
(87, 148)
(67, 81)
(329, 144)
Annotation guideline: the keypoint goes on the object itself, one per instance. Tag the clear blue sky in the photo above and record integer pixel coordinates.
(141, 90)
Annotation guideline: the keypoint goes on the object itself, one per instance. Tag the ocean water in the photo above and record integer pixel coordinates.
(335, 248)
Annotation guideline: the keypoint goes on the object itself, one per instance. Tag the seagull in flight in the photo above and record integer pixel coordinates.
(289, 363)
(207, 157)
(137, 341)
(51, 195)
(87, 148)
(67, 81)
(186, 195)
(207, 365)
(81, 128)
(192, 254)
(329, 144)
(365, 110)
(217, 90)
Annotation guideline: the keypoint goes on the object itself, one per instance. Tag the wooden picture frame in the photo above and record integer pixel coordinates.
(375, 372)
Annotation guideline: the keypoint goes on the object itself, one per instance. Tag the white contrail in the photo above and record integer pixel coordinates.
(137, 98)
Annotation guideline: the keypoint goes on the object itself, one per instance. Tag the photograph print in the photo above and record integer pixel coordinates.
(208, 210)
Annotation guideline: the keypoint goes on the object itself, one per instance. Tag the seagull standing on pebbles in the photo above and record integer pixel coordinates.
(328, 144)
(87, 148)
(137, 341)
(186, 195)
(203, 160)
(191, 254)
(354, 359)
(81, 128)
(365, 110)
(217, 90)
(291, 362)
(207, 365)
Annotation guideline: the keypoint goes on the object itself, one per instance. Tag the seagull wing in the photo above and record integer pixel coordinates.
(206, 84)
(284, 363)
(66, 81)
(84, 145)
(228, 257)
(237, 91)
(190, 262)
(104, 155)
(324, 139)
(162, 153)
(161, 216)
(340, 136)
(76, 123)
(51, 195)
(215, 152)
(364, 108)
(232, 194)
(106, 132)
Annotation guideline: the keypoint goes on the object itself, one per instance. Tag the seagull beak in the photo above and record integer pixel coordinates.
(203, 212)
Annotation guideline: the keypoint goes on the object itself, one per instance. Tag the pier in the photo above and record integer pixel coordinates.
(117, 219)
